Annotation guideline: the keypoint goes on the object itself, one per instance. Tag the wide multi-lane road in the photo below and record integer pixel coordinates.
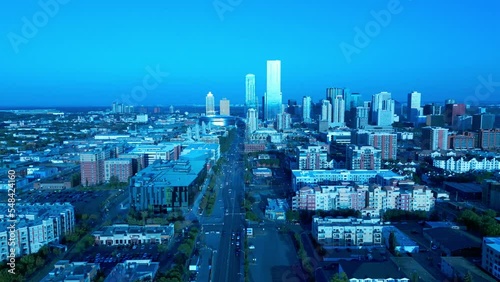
(228, 261)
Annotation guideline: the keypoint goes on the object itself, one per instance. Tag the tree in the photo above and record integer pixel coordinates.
(392, 242)
(468, 277)
(414, 277)
(184, 249)
(144, 214)
(342, 277)
(292, 215)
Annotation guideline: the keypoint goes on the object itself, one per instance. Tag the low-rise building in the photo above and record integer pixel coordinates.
(453, 267)
(262, 172)
(53, 185)
(66, 271)
(276, 209)
(134, 270)
(403, 243)
(347, 232)
(453, 242)
(491, 256)
(124, 234)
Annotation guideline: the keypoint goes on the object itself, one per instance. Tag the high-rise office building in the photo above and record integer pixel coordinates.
(413, 110)
(224, 107)
(338, 111)
(431, 109)
(210, 104)
(252, 120)
(382, 109)
(483, 121)
(356, 101)
(273, 96)
(361, 117)
(306, 109)
(452, 111)
(283, 121)
(250, 98)
(333, 92)
(171, 109)
(326, 111)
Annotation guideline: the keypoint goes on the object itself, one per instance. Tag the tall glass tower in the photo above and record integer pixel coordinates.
(210, 104)
(250, 99)
(273, 97)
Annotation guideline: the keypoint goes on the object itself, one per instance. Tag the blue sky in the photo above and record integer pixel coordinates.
(94, 52)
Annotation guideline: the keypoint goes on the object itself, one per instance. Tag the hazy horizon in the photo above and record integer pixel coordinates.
(93, 53)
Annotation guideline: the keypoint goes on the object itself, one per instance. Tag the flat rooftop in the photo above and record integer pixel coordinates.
(462, 265)
(465, 187)
(493, 242)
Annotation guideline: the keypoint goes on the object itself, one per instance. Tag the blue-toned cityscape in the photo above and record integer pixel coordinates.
(195, 142)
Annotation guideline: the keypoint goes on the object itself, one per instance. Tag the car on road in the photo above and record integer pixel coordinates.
(251, 247)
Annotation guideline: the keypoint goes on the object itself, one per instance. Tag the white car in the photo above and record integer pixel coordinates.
(252, 247)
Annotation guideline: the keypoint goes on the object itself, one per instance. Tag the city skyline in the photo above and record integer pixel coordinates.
(60, 63)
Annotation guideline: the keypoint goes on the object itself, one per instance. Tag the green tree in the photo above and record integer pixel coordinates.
(414, 277)
(185, 249)
(468, 277)
(392, 242)
(342, 277)
(162, 248)
(292, 215)
(144, 215)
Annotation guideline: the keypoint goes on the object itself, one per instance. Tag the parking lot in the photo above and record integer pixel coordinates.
(84, 201)
(109, 256)
(272, 255)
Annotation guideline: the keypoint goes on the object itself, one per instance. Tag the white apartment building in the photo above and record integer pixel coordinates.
(312, 157)
(491, 256)
(462, 164)
(347, 232)
(370, 200)
(36, 226)
(306, 177)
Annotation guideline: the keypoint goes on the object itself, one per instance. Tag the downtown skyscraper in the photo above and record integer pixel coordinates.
(250, 98)
(414, 109)
(338, 111)
(382, 109)
(306, 109)
(210, 104)
(224, 107)
(273, 98)
(252, 121)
